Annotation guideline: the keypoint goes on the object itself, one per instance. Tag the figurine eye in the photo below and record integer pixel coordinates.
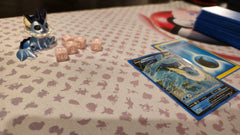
(33, 47)
(37, 27)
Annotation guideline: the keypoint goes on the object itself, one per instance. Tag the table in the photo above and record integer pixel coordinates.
(98, 93)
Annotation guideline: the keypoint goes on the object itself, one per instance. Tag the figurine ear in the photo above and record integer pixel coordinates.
(37, 13)
(44, 14)
(26, 21)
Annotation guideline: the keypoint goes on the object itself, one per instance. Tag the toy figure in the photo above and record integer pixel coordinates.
(37, 27)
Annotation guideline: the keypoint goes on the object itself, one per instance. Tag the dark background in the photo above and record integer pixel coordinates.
(11, 8)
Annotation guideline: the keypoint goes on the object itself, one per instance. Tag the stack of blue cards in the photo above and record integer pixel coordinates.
(220, 23)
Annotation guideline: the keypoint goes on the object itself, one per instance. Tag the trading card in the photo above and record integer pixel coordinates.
(194, 89)
(207, 61)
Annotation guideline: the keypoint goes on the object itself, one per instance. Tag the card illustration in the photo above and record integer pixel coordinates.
(209, 62)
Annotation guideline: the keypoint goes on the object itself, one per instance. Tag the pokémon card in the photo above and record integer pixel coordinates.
(207, 61)
(195, 90)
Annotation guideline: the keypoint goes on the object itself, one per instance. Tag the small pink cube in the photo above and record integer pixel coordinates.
(96, 45)
(81, 42)
(67, 38)
(61, 54)
(71, 47)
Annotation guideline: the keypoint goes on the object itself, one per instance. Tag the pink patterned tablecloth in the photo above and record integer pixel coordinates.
(99, 93)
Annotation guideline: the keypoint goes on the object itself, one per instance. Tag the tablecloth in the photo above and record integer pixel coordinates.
(99, 93)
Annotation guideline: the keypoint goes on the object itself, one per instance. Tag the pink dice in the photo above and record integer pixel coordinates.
(96, 45)
(71, 47)
(67, 38)
(61, 54)
(81, 42)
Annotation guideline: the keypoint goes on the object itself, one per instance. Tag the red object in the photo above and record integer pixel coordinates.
(161, 20)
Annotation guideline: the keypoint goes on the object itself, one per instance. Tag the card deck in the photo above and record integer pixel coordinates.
(219, 23)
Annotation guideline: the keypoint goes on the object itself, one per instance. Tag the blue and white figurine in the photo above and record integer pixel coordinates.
(39, 30)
